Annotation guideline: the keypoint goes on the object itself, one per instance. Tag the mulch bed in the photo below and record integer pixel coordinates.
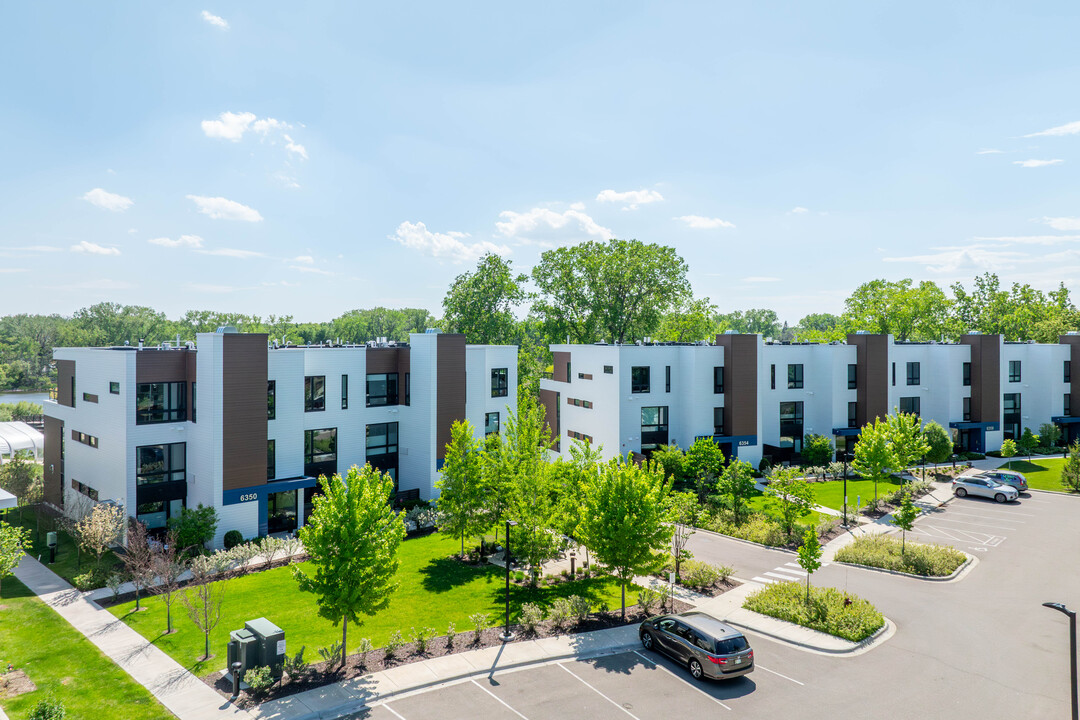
(320, 674)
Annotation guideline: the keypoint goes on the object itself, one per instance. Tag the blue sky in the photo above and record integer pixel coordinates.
(306, 159)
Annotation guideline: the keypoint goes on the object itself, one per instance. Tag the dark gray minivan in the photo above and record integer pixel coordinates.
(706, 646)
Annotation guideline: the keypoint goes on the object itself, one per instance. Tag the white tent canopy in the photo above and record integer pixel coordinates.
(7, 500)
(15, 436)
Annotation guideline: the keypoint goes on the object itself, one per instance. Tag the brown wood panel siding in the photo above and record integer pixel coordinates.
(985, 377)
(550, 400)
(559, 369)
(1073, 341)
(871, 376)
(65, 370)
(740, 383)
(153, 365)
(54, 466)
(386, 360)
(243, 417)
(450, 387)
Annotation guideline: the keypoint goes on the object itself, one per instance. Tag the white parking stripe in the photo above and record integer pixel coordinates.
(395, 712)
(762, 667)
(785, 578)
(497, 698)
(760, 579)
(661, 667)
(975, 510)
(978, 523)
(597, 692)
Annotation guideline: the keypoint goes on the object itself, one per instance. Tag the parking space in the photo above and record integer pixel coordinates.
(978, 524)
(637, 685)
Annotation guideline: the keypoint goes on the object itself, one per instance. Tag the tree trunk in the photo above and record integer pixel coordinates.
(344, 636)
(136, 598)
(462, 544)
(206, 656)
(807, 588)
(624, 599)
(168, 618)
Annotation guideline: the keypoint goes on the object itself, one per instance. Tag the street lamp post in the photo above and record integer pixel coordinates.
(1072, 650)
(845, 488)
(507, 636)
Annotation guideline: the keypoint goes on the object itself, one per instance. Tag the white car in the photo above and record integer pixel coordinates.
(984, 487)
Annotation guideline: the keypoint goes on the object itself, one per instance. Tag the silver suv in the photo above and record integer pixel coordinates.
(1008, 477)
(707, 647)
(984, 487)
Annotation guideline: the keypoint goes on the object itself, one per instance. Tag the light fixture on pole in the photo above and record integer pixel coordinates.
(507, 636)
(845, 488)
(1072, 650)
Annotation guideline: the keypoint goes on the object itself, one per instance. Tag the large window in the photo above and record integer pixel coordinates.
(639, 379)
(853, 414)
(382, 448)
(382, 389)
(1014, 371)
(914, 374)
(791, 425)
(718, 380)
(271, 399)
(271, 459)
(344, 392)
(967, 374)
(794, 377)
(314, 393)
(491, 423)
(320, 452)
(654, 427)
(852, 377)
(160, 402)
(155, 514)
(500, 381)
(911, 405)
(160, 464)
(1010, 416)
(718, 422)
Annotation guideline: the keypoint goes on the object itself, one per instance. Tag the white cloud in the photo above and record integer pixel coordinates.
(107, 200)
(295, 148)
(1072, 128)
(577, 206)
(285, 179)
(267, 124)
(214, 20)
(704, 223)
(798, 210)
(1063, 223)
(546, 227)
(631, 198)
(989, 151)
(1037, 163)
(229, 125)
(94, 249)
(306, 259)
(760, 279)
(233, 253)
(192, 241)
(220, 208)
(317, 271)
(444, 246)
(1031, 239)
(972, 258)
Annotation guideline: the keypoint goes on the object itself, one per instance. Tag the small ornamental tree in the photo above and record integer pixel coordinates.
(13, 543)
(18, 477)
(908, 444)
(683, 509)
(101, 527)
(904, 518)
(624, 520)
(168, 566)
(1049, 434)
(793, 497)
(204, 596)
(704, 463)
(736, 487)
(138, 559)
(195, 527)
(810, 557)
(461, 493)
(1070, 471)
(817, 450)
(1008, 448)
(352, 538)
(873, 453)
(1028, 441)
(938, 441)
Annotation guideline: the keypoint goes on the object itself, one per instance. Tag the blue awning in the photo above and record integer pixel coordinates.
(259, 492)
(990, 426)
(733, 440)
(1065, 420)
(846, 432)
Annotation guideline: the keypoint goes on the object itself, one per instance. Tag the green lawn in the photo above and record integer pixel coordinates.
(831, 493)
(434, 591)
(61, 661)
(760, 502)
(67, 563)
(1042, 474)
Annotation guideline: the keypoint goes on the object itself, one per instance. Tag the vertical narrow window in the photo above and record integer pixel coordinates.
(491, 424)
(1067, 412)
(791, 425)
(1014, 371)
(408, 389)
(853, 414)
(568, 375)
(1010, 416)
(967, 374)
(1068, 372)
(344, 392)
(852, 377)
(967, 410)
(271, 399)
(718, 380)
(73, 390)
(718, 421)
(772, 377)
(914, 374)
(194, 404)
(667, 378)
(894, 374)
(271, 460)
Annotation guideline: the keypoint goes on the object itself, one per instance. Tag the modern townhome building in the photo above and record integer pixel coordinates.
(759, 399)
(247, 426)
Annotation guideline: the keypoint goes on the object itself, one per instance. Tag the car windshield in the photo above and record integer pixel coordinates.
(728, 646)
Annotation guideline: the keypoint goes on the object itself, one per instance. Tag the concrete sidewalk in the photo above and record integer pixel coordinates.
(182, 693)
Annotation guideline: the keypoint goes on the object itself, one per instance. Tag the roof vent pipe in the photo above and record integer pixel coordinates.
(140, 343)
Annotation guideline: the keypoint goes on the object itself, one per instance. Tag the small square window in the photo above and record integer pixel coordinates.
(114, 388)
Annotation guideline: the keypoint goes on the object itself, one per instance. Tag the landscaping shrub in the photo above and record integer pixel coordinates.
(331, 654)
(422, 637)
(48, 709)
(363, 650)
(258, 679)
(647, 600)
(699, 575)
(918, 559)
(559, 612)
(579, 607)
(482, 621)
(758, 528)
(971, 456)
(91, 580)
(295, 665)
(451, 633)
(531, 616)
(232, 539)
(195, 526)
(829, 610)
(393, 644)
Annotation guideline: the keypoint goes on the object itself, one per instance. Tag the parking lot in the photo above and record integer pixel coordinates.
(976, 525)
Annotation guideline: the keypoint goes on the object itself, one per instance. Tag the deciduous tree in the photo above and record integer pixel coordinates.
(138, 559)
(461, 492)
(792, 496)
(704, 464)
(13, 543)
(817, 451)
(938, 442)
(204, 596)
(481, 304)
(904, 518)
(1070, 471)
(736, 487)
(168, 566)
(873, 453)
(810, 557)
(1049, 434)
(908, 444)
(101, 527)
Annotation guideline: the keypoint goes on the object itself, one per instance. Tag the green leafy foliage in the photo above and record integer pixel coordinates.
(531, 616)
(48, 708)
(1049, 435)
(817, 450)
(1070, 471)
(700, 575)
(735, 488)
(791, 497)
(1028, 441)
(481, 622)
(461, 491)
(882, 551)
(704, 464)
(195, 527)
(13, 543)
(296, 666)
(904, 518)
(481, 303)
(1008, 448)
(394, 643)
(873, 453)
(422, 637)
(906, 439)
(810, 557)
(259, 679)
(939, 443)
(232, 539)
(829, 610)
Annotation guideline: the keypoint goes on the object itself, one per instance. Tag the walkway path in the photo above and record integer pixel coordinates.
(174, 687)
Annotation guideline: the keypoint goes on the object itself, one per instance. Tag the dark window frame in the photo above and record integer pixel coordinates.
(114, 388)
(796, 422)
(718, 422)
(344, 392)
(169, 470)
(852, 376)
(639, 384)
(487, 424)
(500, 381)
(853, 414)
(772, 377)
(314, 393)
(325, 458)
(965, 409)
(914, 373)
(389, 396)
(173, 408)
(667, 378)
(913, 405)
(271, 459)
(966, 374)
(609, 369)
(271, 399)
(718, 380)
(795, 376)
(1014, 371)
(1067, 372)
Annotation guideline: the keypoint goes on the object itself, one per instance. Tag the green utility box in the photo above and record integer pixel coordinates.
(269, 645)
(242, 650)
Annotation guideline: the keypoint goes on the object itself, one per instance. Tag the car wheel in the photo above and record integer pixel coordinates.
(646, 640)
(1000, 497)
(696, 670)
(961, 492)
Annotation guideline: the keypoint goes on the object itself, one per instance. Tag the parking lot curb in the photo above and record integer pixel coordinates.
(356, 705)
(954, 576)
(855, 648)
